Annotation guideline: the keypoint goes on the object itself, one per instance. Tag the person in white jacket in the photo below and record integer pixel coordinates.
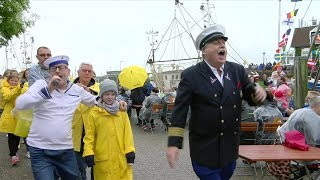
(53, 104)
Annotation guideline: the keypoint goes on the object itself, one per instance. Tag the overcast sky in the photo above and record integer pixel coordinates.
(112, 34)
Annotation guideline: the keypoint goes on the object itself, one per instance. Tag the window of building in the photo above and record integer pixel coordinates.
(172, 77)
(165, 77)
(177, 76)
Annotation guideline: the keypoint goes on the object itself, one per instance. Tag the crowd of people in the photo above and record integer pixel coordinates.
(61, 141)
(68, 119)
(81, 123)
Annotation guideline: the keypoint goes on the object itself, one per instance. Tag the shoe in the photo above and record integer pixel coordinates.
(14, 160)
(153, 127)
(18, 157)
(28, 155)
(145, 127)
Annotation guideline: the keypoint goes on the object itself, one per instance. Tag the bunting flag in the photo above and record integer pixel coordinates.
(288, 22)
(281, 49)
(292, 14)
(283, 42)
(288, 32)
(278, 56)
(295, 0)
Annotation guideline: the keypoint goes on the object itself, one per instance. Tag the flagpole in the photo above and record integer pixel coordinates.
(279, 20)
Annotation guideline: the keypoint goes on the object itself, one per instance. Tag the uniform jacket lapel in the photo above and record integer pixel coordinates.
(207, 73)
(227, 83)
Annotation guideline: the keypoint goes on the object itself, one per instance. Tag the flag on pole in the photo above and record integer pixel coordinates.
(288, 32)
(292, 14)
(288, 22)
(278, 56)
(283, 42)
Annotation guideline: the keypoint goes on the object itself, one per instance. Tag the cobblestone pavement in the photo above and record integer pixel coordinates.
(150, 163)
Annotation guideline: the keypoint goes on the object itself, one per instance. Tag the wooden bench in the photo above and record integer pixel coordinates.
(249, 126)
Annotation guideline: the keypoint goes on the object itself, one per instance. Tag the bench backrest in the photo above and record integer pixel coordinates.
(249, 126)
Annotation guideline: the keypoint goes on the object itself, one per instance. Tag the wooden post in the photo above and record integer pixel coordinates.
(301, 79)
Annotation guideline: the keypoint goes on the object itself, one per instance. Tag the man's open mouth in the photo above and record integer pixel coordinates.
(222, 52)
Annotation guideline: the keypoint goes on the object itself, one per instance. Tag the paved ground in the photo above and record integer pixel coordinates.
(150, 164)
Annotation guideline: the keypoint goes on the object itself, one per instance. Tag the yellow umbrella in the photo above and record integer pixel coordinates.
(133, 77)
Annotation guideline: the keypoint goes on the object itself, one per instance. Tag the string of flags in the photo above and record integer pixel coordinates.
(283, 42)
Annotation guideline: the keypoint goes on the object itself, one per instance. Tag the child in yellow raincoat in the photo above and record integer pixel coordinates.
(108, 143)
(9, 92)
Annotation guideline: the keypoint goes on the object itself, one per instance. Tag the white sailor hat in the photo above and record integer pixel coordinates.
(211, 33)
(61, 59)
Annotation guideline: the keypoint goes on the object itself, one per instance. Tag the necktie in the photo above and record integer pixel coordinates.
(219, 71)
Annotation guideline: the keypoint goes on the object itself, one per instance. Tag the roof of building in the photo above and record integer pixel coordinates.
(172, 72)
(301, 37)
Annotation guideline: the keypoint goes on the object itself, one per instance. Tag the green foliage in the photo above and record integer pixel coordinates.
(298, 51)
(12, 19)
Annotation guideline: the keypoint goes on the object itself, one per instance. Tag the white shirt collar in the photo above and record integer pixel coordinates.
(213, 68)
(215, 72)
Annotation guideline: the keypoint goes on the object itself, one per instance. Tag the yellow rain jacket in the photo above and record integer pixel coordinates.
(9, 94)
(80, 119)
(1, 84)
(109, 138)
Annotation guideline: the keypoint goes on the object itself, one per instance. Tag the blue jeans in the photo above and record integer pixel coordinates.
(206, 173)
(48, 164)
(82, 165)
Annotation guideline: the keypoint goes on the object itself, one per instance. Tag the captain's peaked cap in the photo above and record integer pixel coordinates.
(61, 59)
(211, 33)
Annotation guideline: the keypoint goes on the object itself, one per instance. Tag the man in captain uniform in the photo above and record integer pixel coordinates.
(212, 89)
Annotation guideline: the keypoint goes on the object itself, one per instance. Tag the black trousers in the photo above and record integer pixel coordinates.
(138, 111)
(13, 142)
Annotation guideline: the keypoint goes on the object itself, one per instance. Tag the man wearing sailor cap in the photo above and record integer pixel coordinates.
(212, 89)
(53, 104)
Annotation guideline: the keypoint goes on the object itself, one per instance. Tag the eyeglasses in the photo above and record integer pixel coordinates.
(44, 55)
(87, 70)
(54, 68)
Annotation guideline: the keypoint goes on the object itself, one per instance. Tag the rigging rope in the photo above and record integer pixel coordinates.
(168, 42)
(233, 58)
(306, 10)
(191, 17)
(186, 25)
(183, 46)
(184, 31)
(235, 52)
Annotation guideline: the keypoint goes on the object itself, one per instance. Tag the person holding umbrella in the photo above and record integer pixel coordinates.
(134, 78)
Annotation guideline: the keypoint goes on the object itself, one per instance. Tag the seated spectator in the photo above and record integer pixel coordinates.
(310, 95)
(282, 93)
(168, 98)
(247, 116)
(306, 121)
(268, 112)
(146, 110)
(247, 112)
(280, 71)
